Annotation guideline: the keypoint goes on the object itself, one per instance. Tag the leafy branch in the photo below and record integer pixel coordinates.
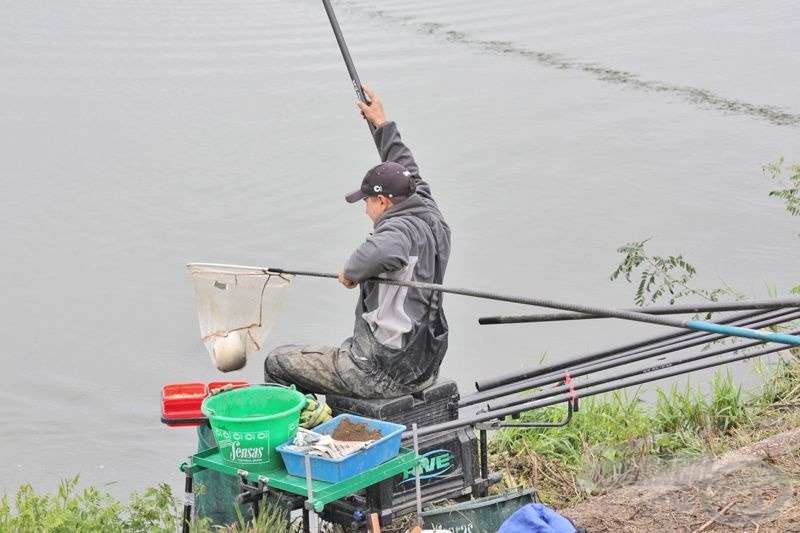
(789, 191)
(660, 276)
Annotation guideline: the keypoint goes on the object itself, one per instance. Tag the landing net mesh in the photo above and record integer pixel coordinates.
(236, 307)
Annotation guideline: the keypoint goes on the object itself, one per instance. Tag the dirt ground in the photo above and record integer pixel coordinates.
(753, 489)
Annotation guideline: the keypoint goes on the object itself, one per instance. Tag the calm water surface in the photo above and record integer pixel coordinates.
(137, 136)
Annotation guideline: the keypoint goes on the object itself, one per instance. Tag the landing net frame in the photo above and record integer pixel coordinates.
(237, 299)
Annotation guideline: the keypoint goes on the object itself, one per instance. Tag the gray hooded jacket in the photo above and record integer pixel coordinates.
(400, 330)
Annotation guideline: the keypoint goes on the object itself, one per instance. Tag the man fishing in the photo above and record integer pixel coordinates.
(400, 334)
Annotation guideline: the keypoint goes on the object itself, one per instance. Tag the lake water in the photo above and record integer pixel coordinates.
(141, 135)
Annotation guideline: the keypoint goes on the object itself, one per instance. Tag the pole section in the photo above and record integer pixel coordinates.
(712, 307)
(348, 61)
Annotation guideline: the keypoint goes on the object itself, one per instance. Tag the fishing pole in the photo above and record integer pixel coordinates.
(602, 311)
(573, 372)
(627, 354)
(601, 381)
(569, 397)
(348, 61)
(743, 319)
(652, 310)
(688, 342)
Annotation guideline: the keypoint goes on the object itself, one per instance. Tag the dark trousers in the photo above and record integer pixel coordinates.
(324, 369)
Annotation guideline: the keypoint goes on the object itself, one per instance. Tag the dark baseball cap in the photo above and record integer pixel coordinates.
(389, 179)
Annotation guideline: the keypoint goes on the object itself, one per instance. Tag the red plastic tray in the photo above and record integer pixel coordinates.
(180, 402)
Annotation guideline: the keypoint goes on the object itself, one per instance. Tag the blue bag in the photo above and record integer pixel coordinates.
(536, 518)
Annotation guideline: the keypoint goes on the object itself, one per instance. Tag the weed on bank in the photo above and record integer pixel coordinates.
(89, 510)
(617, 439)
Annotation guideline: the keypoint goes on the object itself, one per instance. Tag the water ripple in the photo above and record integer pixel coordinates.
(703, 98)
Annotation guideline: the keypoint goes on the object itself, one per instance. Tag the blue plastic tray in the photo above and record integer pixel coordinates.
(335, 470)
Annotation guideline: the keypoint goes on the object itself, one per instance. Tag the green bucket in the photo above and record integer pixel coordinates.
(250, 422)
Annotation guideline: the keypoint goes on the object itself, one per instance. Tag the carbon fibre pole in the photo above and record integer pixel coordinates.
(695, 325)
(711, 307)
(348, 61)
(547, 402)
(562, 389)
(600, 361)
(744, 319)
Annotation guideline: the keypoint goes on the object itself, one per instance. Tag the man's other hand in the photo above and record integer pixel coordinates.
(346, 282)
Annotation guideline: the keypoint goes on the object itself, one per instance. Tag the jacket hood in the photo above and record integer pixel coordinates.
(412, 205)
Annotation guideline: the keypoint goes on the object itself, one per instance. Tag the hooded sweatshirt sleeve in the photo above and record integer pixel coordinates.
(392, 148)
(387, 250)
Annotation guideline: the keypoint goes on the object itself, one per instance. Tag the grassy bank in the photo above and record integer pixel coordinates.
(90, 510)
(617, 439)
(612, 441)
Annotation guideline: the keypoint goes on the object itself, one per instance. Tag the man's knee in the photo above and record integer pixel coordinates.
(274, 363)
(270, 368)
(285, 351)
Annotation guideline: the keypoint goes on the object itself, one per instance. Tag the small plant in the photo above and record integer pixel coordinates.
(789, 191)
(727, 409)
(661, 276)
(680, 411)
(790, 186)
(684, 419)
(90, 511)
(156, 510)
(781, 383)
(271, 518)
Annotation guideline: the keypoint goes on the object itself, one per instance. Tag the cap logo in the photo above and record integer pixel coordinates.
(377, 188)
(406, 173)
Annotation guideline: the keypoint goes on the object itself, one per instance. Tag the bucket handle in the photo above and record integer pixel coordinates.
(273, 384)
(289, 387)
(229, 387)
(268, 384)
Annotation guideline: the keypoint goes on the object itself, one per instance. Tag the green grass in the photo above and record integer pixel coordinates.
(611, 440)
(616, 438)
(90, 511)
(598, 422)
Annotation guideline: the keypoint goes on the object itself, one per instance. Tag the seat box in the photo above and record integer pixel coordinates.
(438, 403)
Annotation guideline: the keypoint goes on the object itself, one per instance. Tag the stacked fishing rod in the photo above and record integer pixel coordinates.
(628, 365)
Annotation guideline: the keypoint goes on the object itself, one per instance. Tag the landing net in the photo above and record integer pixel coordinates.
(237, 307)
